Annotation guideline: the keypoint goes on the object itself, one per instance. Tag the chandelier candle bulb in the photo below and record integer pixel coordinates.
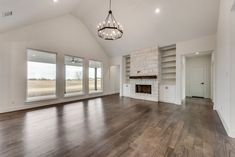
(110, 29)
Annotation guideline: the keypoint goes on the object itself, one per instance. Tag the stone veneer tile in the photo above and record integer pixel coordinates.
(145, 62)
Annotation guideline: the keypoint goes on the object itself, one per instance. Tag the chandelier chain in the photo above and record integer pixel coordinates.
(110, 4)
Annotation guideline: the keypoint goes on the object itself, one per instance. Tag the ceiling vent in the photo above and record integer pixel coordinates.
(7, 13)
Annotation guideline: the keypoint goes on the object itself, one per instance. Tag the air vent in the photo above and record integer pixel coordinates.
(7, 13)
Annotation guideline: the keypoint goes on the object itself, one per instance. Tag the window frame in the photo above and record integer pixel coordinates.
(102, 77)
(83, 77)
(42, 98)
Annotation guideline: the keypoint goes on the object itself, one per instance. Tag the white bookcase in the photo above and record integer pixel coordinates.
(127, 69)
(168, 65)
(167, 75)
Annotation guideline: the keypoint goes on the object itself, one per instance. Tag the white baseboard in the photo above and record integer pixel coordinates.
(25, 107)
(231, 133)
(214, 107)
(178, 102)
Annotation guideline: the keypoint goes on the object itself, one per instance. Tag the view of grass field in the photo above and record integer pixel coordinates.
(41, 88)
(73, 86)
(37, 88)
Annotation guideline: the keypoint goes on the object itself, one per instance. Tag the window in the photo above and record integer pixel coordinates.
(41, 78)
(95, 77)
(73, 75)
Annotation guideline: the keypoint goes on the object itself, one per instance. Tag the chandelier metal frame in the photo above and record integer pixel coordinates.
(110, 29)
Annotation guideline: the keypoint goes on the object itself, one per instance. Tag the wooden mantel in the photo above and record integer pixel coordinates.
(144, 77)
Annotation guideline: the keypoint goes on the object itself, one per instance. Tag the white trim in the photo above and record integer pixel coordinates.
(232, 134)
(226, 127)
(23, 107)
(179, 102)
(83, 77)
(68, 95)
(95, 92)
(41, 98)
(214, 107)
(102, 77)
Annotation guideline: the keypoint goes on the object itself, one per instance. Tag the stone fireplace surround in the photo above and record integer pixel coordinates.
(154, 89)
(144, 63)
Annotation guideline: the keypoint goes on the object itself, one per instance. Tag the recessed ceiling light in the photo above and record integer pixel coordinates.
(197, 53)
(55, 1)
(157, 10)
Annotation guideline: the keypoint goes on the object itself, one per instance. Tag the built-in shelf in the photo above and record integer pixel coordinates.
(127, 68)
(169, 78)
(168, 61)
(168, 72)
(170, 55)
(165, 67)
(168, 64)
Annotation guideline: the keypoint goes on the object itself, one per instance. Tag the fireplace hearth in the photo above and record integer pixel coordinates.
(144, 89)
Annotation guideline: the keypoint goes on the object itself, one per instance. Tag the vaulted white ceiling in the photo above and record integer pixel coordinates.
(26, 12)
(178, 20)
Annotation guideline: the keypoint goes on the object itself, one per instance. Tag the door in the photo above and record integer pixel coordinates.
(115, 79)
(197, 81)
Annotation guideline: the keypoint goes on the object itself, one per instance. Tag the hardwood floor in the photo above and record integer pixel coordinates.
(116, 127)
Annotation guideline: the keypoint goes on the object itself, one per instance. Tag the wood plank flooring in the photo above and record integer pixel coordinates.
(116, 127)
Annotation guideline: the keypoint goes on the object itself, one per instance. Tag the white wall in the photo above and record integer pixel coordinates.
(232, 86)
(64, 35)
(205, 61)
(203, 44)
(225, 74)
(5, 86)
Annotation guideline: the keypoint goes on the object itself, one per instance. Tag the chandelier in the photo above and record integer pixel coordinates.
(110, 29)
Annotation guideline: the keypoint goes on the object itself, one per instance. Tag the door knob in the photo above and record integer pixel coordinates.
(202, 83)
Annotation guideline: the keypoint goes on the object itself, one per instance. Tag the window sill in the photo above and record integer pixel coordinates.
(41, 98)
(73, 94)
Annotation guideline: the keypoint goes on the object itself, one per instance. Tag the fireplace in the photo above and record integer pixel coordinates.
(145, 89)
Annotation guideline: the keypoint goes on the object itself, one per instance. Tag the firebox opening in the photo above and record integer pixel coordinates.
(146, 89)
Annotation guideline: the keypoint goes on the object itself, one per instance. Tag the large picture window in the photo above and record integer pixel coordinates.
(95, 77)
(73, 76)
(41, 79)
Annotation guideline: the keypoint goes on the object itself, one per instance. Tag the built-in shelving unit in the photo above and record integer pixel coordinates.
(127, 68)
(168, 64)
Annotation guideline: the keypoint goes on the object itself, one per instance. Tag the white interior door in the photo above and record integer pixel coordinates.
(197, 81)
(115, 79)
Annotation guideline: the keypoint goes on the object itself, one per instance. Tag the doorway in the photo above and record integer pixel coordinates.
(199, 75)
(115, 79)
